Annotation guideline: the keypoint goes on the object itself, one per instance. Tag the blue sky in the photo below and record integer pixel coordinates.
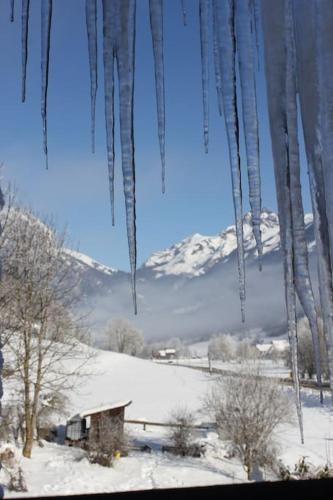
(74, 189)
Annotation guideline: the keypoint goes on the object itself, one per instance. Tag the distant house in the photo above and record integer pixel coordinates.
(167, 353)
(90, 423)
(264, 349)
(275, 348)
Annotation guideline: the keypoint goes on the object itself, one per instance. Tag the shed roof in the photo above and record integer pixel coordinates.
(103, 407)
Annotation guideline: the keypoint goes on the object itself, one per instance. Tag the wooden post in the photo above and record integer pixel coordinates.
(209, 364)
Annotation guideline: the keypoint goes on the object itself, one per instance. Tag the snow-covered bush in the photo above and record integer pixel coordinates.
(11, 473)
(121, 336)
(306, 356)
(222, 347)
(247, 408)
(11, 424)
(182, 434)
(303, 469)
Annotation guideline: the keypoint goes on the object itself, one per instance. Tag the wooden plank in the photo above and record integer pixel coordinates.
(166, 424)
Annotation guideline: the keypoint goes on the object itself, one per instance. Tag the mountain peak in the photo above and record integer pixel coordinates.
(197, 253)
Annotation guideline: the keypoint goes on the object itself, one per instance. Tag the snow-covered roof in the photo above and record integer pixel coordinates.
(170, 351)
(280, 345)
(102, 407)
(263, 347)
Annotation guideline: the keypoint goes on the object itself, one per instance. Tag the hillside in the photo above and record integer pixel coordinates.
(155, 390)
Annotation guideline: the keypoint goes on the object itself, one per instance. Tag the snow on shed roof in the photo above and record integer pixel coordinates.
(103, 407)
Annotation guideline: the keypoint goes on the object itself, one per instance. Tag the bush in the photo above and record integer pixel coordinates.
(304, 470)
(247, 408)
(11, 470)
(182, 436)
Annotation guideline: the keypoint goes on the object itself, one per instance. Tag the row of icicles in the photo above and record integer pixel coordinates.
(232, 25)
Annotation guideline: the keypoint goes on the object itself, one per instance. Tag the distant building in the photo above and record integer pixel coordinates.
(276, 348)
(167, 353)
(88, 423)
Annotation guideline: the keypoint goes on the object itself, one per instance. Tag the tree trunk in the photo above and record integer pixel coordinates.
(29, 435)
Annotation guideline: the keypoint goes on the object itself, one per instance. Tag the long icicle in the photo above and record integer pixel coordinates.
(324, 51)
(182, 4)
(224, 18)
(274, 22)
(46, 17)
(324, 19)
(2, 204)
(204, 45)
(255, 27)
(109, 43)
(12, 9)
(24, 42)
(125, 64)
(246, 61)
(301, 266)
(119, 43)
(217, 68)
(91, 21)
(308, 51)
(156, 26)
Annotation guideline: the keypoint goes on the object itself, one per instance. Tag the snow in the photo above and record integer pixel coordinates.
(104, 407)
(196, 254)
(155, 390)
(263, 347)
(88, 261)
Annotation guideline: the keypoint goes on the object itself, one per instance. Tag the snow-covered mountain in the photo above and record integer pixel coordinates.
(195, 255)
(191, 288)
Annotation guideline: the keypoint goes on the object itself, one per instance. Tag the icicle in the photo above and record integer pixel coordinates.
(250, 117)
(46, 16)
(182, 3)
(156, 25)
(119, 42)
(217, 68)
(311, 95)
(12, 9)
(2, 204)
(109, 38)
(255, 27)
(204, 43)
(24, 40)
(224, 19)
(324, 18)
(300, 252)
(276, 79)
(91, 21)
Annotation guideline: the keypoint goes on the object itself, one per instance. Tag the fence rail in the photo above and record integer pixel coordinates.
(145, 423)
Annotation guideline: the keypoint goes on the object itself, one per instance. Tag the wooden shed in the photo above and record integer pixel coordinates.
(97, 424)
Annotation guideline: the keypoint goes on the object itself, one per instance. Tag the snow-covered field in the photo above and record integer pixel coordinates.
(155, 390)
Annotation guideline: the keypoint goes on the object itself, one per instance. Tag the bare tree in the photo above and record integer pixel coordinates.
(306, 356)
(38, 328)
(121, 336)
(247, 408)
(222, 347)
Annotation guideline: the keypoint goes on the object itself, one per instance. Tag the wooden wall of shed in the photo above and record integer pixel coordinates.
(105, 422)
